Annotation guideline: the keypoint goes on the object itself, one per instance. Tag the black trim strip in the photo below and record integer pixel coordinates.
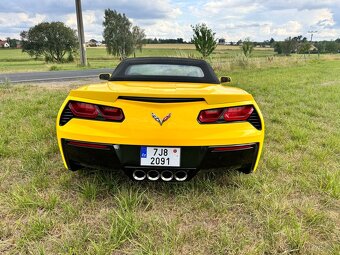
(161, 100)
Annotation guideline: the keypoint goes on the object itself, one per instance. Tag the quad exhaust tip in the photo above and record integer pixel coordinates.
(139, 175)
(155, 175)
(167, 176)
(181, 175)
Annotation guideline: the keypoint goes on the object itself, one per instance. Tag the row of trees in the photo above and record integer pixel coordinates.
(301, 45)
(160, 41)
(58, 43)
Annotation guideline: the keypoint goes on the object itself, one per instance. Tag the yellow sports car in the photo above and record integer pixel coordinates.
(161, 119)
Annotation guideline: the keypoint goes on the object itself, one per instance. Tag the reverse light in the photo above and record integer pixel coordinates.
(229, 114)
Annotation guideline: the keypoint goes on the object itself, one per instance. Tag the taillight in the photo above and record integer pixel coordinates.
(222, 115)
(111, 113)
(83, 110)
(99, 112)
(238, 113)
(211, 115)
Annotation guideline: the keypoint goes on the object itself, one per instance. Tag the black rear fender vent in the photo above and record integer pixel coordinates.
(161, 100)
(66, 116)
(255, 120)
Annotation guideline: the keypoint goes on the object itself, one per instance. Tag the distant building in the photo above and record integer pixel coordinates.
(93, 43)
(221, 41)
(4, 44)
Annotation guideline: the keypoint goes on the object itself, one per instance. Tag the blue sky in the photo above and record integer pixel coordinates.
(230, 19)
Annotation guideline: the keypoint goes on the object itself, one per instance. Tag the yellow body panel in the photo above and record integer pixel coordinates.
(182, 129)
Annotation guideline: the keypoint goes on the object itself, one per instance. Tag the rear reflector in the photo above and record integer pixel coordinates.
(233, 148)
(88, 145)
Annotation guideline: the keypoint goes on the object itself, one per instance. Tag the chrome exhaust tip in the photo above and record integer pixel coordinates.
(139, 175)
(181, 175)
(167, 176)
(153, 175)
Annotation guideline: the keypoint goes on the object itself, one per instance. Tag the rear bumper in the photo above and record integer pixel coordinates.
(127, 157)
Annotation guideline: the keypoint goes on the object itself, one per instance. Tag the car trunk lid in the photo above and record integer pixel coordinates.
(162, 92)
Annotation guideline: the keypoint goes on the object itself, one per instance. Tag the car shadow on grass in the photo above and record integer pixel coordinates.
(96, 183)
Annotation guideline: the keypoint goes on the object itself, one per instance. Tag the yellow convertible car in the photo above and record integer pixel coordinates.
(161, 119)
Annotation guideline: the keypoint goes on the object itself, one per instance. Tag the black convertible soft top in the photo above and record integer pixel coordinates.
(209, 76)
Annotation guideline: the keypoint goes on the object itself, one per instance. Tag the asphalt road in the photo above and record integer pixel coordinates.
(52, 75)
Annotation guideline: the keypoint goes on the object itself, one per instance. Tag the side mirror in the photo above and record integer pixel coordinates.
(104, 76)
(225, 79)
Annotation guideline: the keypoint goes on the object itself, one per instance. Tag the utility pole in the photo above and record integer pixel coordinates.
(83, 59)
(311, 36)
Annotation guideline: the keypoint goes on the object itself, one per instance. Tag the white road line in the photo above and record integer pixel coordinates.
(51, 79)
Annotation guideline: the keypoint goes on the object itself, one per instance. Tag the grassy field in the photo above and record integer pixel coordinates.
(290, 206)
(13, 60)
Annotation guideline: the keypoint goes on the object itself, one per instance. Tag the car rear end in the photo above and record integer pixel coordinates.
(155, 131)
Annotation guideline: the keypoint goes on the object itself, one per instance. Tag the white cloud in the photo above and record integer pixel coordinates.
(288, 29)
(231, 19)
(17, 19)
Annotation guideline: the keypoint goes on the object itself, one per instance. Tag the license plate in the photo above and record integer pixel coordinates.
(160, 156)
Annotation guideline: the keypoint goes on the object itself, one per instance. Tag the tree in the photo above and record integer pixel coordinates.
(331, 47)
(12, 42)
(117, 34)
(204, 39)
(278, 47)
(138, 36)
(288, 46)
(52, 40)
(247, 47)
(304, 47)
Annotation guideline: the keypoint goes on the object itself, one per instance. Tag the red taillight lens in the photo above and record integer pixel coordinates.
(112, 113)
(238, 113)
(83, 110)
(220, 115)
(99, 112)
(209, 116)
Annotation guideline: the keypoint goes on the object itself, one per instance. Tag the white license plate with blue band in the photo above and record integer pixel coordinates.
(160, 156)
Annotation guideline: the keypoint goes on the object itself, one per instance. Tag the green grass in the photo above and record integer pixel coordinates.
(290, 206)
(14, 60)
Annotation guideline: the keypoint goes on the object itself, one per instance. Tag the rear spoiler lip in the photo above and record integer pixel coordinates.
(210, 99)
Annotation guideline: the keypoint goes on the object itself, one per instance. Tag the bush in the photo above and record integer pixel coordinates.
(54, 68)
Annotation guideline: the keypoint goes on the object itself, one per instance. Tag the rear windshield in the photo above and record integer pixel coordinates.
(164, 70)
